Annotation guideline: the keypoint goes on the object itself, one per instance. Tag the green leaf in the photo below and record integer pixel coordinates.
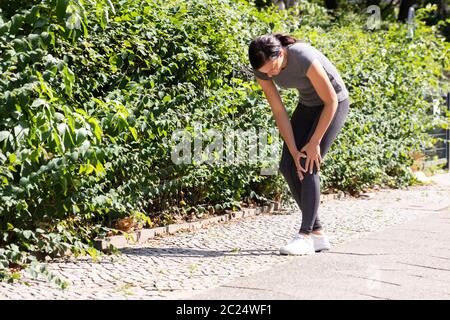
(4, 135)
(97, 129)
(134, 133)
(61, 7)
(16, 23)
(99, 168)
(75, 209)
(90, 168)
(69, 80)
(27, 234)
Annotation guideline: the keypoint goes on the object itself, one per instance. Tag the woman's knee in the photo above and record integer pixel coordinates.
(303, 165)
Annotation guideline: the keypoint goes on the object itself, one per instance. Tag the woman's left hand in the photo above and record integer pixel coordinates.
(312, 150)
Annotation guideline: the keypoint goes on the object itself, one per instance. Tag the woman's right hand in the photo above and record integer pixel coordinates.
(300, 169)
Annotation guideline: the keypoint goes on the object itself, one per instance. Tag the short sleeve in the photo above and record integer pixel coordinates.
(306, 58)
(261, 75)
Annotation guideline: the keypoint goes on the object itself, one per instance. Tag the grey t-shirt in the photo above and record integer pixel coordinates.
(300, 56)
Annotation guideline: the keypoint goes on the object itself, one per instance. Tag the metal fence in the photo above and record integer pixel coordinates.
(439, 154)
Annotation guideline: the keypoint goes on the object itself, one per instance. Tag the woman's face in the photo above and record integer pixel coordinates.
(273, 67)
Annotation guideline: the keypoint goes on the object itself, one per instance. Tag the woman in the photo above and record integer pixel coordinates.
(321, 112)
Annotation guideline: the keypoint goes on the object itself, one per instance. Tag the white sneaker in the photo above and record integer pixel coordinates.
(320, 242)
(299, 245)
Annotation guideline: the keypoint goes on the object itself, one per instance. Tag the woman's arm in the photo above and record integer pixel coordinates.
(281, 118)
(326, 92)
(279, 113)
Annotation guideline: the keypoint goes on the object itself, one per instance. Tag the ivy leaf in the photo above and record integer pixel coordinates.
(27, 234)
(97, 129)
(4, 135)
(61, 6)
(134, 133)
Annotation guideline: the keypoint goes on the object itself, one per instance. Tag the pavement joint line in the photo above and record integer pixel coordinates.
(439, 257)
(369, 295)
(428, 278)
(422, 266)
(383, 239)
(415, 275)
(422, 231)
(362, 254)
(249, 288)
(376, 280)
(391, 270)
(260, 289)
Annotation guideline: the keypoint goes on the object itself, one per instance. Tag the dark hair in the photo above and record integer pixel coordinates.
(268, 46)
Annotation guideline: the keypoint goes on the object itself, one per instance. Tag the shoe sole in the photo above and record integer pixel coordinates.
(295, 254)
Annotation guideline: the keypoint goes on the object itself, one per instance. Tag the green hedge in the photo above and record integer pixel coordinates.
(93, 90)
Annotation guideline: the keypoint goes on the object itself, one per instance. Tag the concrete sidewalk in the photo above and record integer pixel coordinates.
(406, 261)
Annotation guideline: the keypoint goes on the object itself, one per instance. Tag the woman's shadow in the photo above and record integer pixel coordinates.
(183, 252)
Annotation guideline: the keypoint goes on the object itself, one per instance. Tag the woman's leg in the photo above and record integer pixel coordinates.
(302, 122)
(307, 192)
(311, 182)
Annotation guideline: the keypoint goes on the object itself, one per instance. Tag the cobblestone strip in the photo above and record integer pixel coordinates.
(175, 265)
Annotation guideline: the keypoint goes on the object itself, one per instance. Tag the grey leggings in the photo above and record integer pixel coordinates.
(306, 192)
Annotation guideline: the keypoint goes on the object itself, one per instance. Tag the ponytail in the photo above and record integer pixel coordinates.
(285, 39)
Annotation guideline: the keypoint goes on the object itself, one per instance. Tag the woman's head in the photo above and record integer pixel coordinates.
(266, 52)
